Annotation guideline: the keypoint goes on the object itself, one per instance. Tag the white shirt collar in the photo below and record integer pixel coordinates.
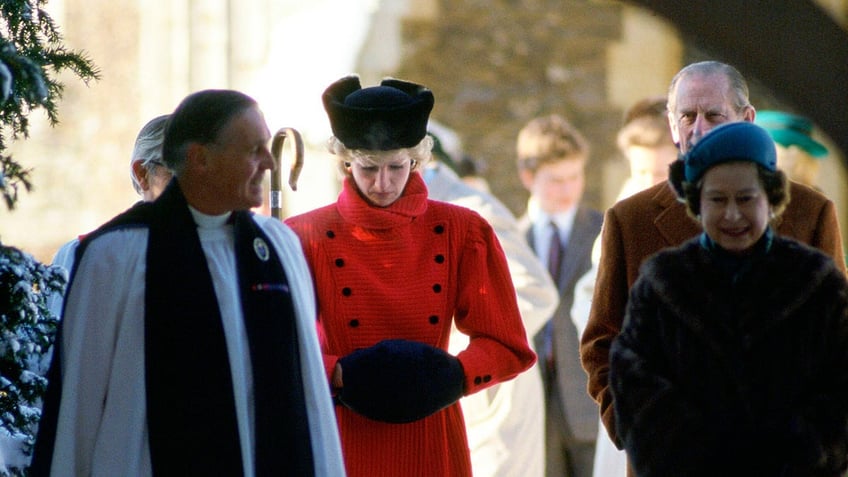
(541, 230)
(206, 221)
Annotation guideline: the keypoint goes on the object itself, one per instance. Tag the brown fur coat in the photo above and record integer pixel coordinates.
(729, 369)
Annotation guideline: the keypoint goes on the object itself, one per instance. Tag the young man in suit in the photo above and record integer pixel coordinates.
(505, 424)
(701, 96)
(552, 156)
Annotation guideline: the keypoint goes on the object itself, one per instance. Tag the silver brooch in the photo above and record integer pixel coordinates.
(261, 249)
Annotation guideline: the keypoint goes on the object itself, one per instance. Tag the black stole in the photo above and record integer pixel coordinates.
(190, 405)
(283, 444)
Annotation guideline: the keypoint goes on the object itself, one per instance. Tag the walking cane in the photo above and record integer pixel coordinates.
(277, 173)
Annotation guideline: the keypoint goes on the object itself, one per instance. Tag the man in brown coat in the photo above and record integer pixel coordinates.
(701, 96)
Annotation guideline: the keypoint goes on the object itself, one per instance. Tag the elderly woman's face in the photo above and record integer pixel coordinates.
(382, 181)
(734, 206)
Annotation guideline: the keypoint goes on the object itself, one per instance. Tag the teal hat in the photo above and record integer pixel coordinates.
(790, 130)
(739, 141)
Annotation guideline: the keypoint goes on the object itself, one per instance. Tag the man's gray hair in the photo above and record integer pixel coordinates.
(148, 147)
(737, 83)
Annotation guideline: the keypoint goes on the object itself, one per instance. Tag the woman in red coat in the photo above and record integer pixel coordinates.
(393, 270)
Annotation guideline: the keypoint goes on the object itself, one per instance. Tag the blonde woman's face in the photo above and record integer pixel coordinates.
(382, 181)
(649, 165)
(734, 206)
(798, 165)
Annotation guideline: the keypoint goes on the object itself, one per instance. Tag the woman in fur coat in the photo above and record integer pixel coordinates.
(393, 270)
(733, 359)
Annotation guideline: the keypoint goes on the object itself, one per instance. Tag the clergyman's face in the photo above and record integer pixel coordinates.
(734, 206)
(238, 160)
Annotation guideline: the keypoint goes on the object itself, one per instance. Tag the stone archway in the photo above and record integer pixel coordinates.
(796, 48)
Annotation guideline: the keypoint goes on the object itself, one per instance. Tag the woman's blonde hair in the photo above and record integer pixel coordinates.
(420, 154)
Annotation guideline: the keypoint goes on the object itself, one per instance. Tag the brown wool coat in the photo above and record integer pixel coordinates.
(643, 224)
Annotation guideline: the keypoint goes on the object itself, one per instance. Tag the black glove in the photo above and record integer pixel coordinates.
(400, 381)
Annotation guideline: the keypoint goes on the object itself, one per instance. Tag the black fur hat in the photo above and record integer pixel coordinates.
(391, 116)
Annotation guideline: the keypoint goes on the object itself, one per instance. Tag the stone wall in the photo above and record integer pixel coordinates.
(494, 65)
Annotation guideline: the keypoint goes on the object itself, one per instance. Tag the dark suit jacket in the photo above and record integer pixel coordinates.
(580, 410)
(637, 227)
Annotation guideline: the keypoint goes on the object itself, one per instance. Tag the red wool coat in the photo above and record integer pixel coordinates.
(408, 271)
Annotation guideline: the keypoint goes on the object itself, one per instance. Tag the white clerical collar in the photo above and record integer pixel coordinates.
(206, 221)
